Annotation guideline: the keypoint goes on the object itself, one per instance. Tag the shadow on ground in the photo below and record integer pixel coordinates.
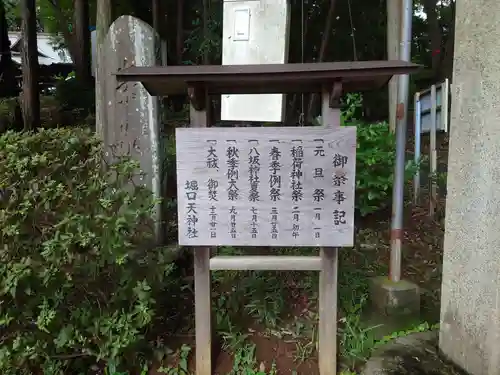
(415, 354)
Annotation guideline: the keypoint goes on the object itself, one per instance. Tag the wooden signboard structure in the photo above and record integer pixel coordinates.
(266, 186)
(263, 187)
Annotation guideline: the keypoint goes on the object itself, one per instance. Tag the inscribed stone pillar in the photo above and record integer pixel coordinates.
(133, 115)
(470, 304)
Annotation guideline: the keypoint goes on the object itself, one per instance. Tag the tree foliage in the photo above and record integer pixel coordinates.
(359, 33)
(367, 26)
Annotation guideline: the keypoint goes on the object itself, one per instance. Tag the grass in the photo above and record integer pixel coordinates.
(283, 306)
(246, 363)
(357, 343)
(182, 365)
(267, 297)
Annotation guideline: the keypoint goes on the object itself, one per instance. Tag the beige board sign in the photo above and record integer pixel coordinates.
(266, 186)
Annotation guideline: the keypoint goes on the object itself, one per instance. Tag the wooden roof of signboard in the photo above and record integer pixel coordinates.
(266, 78)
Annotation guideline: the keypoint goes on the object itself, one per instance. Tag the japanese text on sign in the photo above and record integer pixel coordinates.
(266, 186)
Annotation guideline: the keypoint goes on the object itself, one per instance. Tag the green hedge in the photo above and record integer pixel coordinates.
(75, 283)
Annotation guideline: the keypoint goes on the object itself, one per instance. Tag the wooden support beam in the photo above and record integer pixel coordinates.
(198, 101)
(327, 331)
(202, 282)
(265, 263)
(330, 104)
(335, 96)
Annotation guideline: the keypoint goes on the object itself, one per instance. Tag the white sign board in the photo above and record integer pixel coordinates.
(254, 32)
(266, 186)
(442, 108)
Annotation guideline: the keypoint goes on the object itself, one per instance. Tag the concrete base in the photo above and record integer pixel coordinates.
(394, 298)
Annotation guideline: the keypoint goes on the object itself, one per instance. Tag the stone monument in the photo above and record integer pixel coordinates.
(470, 302)
(132, 127)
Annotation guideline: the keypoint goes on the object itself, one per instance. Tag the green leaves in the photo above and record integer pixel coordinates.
(375, 159)
(74, 281)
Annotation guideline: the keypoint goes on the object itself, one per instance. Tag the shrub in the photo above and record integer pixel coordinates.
(168, 163)
(75, 282)
(169, 187)
(81, 105)
(375, 159)
(10, 114)
(51, 115)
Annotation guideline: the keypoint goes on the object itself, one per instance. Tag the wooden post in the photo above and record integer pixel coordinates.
(327, 331)
(417, 136)
(30, 95)
(433, 152)
(199, 118)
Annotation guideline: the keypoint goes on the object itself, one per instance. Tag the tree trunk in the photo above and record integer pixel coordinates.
(156, 10)
(8, 83)
(206, 57)
(179, 40)
(435, 37)
(103, 21)
(68, 37)
(31, 98)
(160, 48)
(447, 61)
(206, 10)
(82, 41)
(327, 32)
